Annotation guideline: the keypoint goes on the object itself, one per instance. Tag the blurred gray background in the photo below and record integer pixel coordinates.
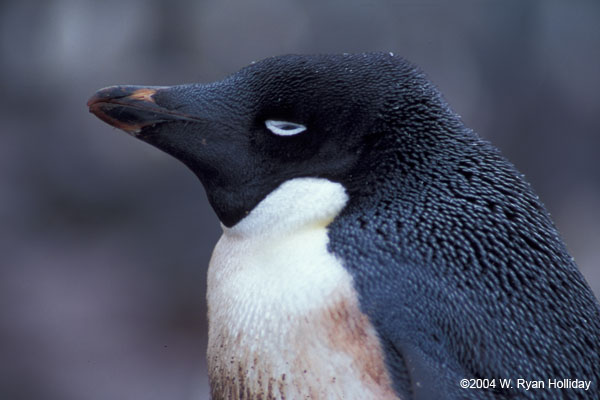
(104, 241)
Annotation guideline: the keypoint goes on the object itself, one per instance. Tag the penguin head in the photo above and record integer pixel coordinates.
(275, 120)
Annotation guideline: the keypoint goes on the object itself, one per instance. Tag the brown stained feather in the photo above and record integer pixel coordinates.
(350, 331)
(310, 365)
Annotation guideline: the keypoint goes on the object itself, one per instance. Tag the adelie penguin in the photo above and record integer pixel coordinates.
(373, 246)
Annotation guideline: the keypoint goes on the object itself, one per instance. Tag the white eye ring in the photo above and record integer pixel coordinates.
(284, 128)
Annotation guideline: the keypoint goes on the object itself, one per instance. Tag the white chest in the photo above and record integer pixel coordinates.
(284, 320)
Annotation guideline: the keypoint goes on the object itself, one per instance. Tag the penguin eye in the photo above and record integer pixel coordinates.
(284, 128)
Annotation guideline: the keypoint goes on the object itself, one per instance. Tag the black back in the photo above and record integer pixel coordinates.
(458, 264)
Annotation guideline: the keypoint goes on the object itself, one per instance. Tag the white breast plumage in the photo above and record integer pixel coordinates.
(284, 320)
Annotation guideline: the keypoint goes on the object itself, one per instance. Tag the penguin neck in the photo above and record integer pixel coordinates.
(296, 204)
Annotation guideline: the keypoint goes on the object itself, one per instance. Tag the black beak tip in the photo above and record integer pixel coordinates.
(129, 108)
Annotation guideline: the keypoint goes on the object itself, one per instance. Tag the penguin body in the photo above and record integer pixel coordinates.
(373, 246)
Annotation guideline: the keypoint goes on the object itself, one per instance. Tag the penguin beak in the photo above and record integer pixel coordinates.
(131, 108)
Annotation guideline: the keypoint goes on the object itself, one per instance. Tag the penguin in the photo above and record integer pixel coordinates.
(373, 246)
